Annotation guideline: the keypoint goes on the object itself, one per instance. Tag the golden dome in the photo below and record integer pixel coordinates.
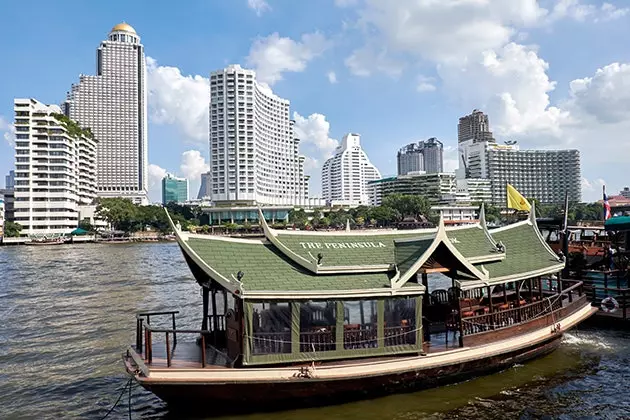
(124, 27)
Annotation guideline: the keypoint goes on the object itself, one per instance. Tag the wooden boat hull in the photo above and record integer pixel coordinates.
(301, 392)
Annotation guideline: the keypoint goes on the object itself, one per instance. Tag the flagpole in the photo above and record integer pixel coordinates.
(604, 203)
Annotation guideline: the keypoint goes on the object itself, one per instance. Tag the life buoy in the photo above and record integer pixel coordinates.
(609, 304)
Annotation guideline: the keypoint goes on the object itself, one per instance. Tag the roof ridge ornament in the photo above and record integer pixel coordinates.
(532, 214)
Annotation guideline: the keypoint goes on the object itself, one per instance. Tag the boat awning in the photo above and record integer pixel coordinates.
(618, 223)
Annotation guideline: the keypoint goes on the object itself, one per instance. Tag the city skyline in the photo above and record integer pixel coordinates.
(529, 83)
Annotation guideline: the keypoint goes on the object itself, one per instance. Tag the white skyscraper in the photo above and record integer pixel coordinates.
(345, 175)
(55, 169)
(254, 157)
(113, 104)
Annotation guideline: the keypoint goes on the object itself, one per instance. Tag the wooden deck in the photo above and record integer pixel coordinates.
(187, 355)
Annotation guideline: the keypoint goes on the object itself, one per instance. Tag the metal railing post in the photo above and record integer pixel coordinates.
(174, 333)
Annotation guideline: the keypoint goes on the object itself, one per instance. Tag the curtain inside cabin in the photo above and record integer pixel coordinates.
(400, 321)
(360, 326)
(318, 321)
(271, 325)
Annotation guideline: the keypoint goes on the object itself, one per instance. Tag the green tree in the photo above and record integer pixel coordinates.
(384, 216)
(86, 225)
(121, 213)
(408, 205)
(12, 229)
(298, 218)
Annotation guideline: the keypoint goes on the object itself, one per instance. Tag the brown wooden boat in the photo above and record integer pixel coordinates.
(310, 318)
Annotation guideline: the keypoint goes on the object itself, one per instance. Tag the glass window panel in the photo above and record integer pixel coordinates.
(317, 326)
(400, 321)
(360, 328)
(272, 328)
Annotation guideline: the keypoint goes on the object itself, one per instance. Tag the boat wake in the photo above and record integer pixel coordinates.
(587, 340)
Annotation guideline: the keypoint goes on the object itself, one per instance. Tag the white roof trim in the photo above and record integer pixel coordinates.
(324, 294)
(231, 285)
(472, 284)
(440, 237)
(374, 232)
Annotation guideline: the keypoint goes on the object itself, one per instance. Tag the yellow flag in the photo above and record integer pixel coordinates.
(515, 200)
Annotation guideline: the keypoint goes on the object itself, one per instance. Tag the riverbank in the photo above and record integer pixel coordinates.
(68, 314)
(83, 240)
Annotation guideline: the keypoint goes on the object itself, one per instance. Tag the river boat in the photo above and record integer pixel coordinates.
(296, 318)
(47, 241)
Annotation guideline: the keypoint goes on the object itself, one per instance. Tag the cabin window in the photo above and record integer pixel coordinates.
(400, 321)
(360, 328)
(318, 322)
(271, 323)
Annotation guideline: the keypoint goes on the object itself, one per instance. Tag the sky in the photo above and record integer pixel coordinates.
(549, 73)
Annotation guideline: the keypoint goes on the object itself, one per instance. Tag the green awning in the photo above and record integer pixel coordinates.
(618, 223)
(79, 231)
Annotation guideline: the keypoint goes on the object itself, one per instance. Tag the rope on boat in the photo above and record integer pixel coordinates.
(310, 343)
(127, 385)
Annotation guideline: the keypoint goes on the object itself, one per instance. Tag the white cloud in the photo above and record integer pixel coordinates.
(425, 84)
(579, 11)
(367, 60)
(332, 77)
(605, 96)
(258, 6)
(315, 142)
(8, 131)
(511, 84)
(193, 165)
(179, 100)
(273, 55)
(346, 3)
(451, 161)
(156, 173)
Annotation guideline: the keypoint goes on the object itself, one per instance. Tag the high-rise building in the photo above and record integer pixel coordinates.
(541, 174)
(113, 104)
(346, 174)
(55, 169)
(174, 189)
(424, 156)
(205, 189)
(474, 127)
(254, 156)
(9, 180)
(2, 218)
(438, 188)
(410, 159)
(433, 152)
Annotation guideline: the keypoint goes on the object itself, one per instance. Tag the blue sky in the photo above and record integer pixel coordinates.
(550, 73)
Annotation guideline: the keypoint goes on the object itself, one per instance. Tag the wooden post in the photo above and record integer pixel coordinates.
(540, 288)
(174, 333)
(214, 312)
(518, 294)
(490, 299)
(204, 322)
(203, 350)
(504, 292)
(139, 322)
(168, 352)
(530, 288)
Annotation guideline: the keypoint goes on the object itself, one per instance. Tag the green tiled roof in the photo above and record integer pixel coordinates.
(524, 252)
(267, 269)
(472, 242)
(345, 250)
(408, 252)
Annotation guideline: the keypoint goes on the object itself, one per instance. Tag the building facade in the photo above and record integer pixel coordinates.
(254, 155)
(8, 196)
(475, 126)
(55, 169)
(438, 188)
(205, 188)
(113, 104)
(427, 156)
(174, 189)
(345, 176)
(541, 174)
(9, 180)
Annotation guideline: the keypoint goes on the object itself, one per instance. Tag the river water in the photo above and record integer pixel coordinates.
(67, 314)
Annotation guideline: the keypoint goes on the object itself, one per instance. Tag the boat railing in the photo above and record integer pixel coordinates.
(144, 336)
(525, 313)
(599, 295)
(216, 322)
